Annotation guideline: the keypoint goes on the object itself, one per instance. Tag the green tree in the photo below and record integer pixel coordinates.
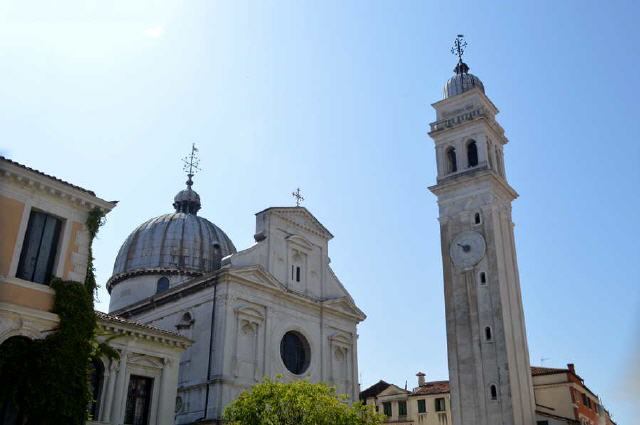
(297, 403)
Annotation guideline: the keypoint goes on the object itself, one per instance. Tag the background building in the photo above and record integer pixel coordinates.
(561, 398)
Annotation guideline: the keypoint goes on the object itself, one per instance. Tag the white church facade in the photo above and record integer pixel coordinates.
(275, 308)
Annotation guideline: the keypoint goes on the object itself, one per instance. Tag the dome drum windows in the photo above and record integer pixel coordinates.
(162, 284)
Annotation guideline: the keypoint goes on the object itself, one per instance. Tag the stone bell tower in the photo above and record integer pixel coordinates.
(489, 368)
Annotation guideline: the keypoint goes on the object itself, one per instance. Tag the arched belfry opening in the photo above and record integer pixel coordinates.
(452, 163)
(472, 153)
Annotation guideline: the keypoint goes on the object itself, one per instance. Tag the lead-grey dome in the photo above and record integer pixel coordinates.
(180, 243)
(461, 82)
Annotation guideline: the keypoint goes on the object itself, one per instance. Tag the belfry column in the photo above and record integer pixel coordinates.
(489, 370)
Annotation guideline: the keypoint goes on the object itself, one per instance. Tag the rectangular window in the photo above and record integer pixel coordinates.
(440, 407)
(138, 400)
(386, 408)
(402, 408)
(422, 406)
(297, 274)
(39, 248)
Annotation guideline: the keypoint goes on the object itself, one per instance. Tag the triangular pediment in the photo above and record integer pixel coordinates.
(301, 217)
(392, 390)
(256, 275)
(345, 305)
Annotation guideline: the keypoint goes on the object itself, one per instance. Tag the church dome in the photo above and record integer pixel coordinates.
(461, 82)
(178, 243)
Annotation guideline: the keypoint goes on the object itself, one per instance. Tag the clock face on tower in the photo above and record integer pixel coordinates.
(467, 249)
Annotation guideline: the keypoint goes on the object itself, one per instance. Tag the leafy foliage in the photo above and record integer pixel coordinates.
(48, 378)
(297, 403)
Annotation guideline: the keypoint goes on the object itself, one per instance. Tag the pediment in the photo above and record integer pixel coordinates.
(345, 305)
(256, 275)
(301, 217)
(145, 361)
(300, 242)
(392, 390)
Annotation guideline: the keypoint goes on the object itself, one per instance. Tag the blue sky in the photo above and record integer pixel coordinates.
(334, 97)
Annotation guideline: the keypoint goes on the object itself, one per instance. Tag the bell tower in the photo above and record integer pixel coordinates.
(489, 368)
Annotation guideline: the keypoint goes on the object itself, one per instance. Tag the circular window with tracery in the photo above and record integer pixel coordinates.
(295, 352)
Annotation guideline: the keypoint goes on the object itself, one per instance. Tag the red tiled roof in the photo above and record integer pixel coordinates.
(538, 371)
(433, 387)
(17, 164)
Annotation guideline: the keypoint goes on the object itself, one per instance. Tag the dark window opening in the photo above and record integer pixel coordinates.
(295, 352)
(138, 400)
(472, 154)
(402, 408)
(494, 392)
(542, 423)
(487, 333)
(39, 248)
(422, 406)
(440, 407)
(96, 379)
(386, 408)
(297, 274)
(476, 218)
(483, 278)
(452, 164)
(162, 285)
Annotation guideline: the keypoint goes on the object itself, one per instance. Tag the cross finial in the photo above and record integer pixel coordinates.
(298, 195)
(191, 163)
(458, 47)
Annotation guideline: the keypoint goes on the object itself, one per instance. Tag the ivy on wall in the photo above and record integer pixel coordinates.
(48, 378)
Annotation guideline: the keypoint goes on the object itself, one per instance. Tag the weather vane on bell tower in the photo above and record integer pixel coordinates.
(191, 164)
(459, 45)
(298, 195)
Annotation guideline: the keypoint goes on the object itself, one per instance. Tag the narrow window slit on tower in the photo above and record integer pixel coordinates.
(494, 392)
(472, 154)
(297, 274)
(487, 333)
(483, 278)
(476, 218)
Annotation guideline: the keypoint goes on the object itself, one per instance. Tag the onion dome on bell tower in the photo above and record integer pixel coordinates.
(462, 81)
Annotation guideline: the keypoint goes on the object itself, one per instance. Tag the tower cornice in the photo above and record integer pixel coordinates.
(476, 175)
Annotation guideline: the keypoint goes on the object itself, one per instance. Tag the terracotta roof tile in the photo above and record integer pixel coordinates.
(433, 387)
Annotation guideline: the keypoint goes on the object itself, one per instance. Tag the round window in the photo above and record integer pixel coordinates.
(295, 353)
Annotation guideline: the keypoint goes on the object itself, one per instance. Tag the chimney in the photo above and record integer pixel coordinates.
(421, 380)
(571, 367)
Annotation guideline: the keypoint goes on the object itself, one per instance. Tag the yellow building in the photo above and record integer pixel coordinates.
(42, 235)
(561, 398)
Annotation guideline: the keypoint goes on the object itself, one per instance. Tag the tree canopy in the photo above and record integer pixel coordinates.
(297, 403)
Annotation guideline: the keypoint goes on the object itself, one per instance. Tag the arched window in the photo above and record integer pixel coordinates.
(162, 285)
(96, 379)
(472, 154)
(493, 390)
(487, 333)
(477, 219)
(452, 163)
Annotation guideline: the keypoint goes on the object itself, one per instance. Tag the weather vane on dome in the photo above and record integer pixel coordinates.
(458, 49)
(298, 195)
(191, 164)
